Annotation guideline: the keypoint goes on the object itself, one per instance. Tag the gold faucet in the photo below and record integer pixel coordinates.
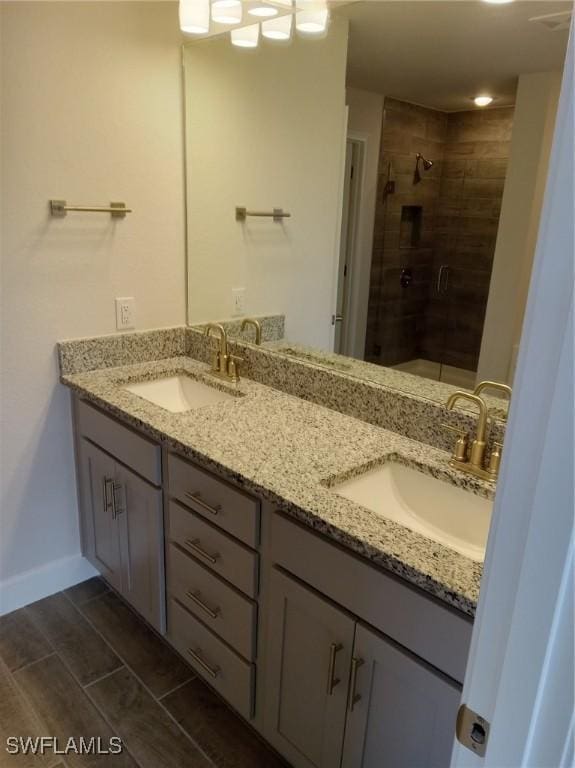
(504, 388)
(256, 325)
(224, 365)
(475, 463)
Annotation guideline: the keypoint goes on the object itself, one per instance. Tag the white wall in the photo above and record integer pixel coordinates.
(364, 122)
(91, 112)
(533, 123)
(266, 129)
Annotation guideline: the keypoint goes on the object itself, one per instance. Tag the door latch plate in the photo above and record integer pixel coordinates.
(472, 730)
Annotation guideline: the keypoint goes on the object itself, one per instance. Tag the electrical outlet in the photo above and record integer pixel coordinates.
(239, 301)
(125, 313)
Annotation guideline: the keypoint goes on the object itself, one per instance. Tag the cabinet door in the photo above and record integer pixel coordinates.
(308, 654)
(139, 509)
(99, 522)
(401, 712)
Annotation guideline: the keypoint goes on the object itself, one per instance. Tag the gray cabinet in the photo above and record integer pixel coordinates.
(139, 509)
(328, 675)
(100, 527)
(309, 654)
(401, 712)
(122, 530)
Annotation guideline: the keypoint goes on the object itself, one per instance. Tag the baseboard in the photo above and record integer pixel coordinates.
(27, 587)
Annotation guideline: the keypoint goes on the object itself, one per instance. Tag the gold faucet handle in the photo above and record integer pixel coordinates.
(234, 367)
(495, 459)
(216, 360)
(460, 448)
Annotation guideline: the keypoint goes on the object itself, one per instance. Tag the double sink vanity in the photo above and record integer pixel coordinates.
(320, 571)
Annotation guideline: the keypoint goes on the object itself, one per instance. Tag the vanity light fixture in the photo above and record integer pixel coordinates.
(312, 18)
(226, 12)
(277, 29)
(498, 2)
(482, 101)
(263, 10)
(195, 16)
(246, 37)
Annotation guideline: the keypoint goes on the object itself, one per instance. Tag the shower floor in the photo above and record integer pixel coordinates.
(448, 374)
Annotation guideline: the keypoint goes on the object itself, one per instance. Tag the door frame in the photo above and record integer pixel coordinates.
(346, 304)
(521, 665)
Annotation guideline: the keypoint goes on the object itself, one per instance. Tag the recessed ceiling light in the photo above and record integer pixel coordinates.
(498, 2)
(483, 101)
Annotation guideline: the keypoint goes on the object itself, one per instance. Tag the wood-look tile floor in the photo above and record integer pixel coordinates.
(81, 663)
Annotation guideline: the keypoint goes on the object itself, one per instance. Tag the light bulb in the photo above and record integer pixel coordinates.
(312, 18)
(246, 37)
(195, 16)
(277, 29)
(483, 101)
(263, 11)
(226, 12)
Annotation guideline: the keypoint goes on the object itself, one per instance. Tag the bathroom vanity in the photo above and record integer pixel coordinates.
(334, 631)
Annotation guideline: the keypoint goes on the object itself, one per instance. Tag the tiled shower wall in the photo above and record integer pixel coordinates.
(449, 219)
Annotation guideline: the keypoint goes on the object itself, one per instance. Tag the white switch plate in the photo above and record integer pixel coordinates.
(238, 301)
(125, 313)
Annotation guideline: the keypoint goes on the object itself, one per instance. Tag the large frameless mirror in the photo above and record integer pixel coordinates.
(399, 159)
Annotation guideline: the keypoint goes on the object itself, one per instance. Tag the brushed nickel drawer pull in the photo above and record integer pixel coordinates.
(196, 498)
(212, 671)
(194, 546)
(194, 597)
(354, 697)
(332, 681)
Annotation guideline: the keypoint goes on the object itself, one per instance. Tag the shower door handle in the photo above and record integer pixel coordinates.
(444, 268)
(446, 284)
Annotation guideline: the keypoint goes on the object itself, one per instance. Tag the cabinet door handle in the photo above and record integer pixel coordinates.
(195, 497)
(195, 598)
(332, 680)
(212, 671)
(107, 504)
(354, 697)
(193, 545)
(116, 507)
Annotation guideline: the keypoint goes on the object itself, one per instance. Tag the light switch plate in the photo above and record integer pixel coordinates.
(125, 313)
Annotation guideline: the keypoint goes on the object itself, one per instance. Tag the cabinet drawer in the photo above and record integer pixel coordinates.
(433, 631)
(223, 609)
(223, 669)
(225, 506)
(215, 549)
(135, 451)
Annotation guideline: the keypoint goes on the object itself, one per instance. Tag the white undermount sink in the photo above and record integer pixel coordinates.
(178, 393)
(449, 515)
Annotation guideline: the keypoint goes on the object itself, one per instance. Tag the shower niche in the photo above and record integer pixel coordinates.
(410, 226)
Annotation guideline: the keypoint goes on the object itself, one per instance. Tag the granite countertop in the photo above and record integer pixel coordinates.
(416, 386)
(287, 451)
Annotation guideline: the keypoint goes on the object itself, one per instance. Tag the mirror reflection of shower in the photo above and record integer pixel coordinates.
(435, 231)
(427, 164)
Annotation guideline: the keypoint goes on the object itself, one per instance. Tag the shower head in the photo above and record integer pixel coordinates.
(427, 164)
